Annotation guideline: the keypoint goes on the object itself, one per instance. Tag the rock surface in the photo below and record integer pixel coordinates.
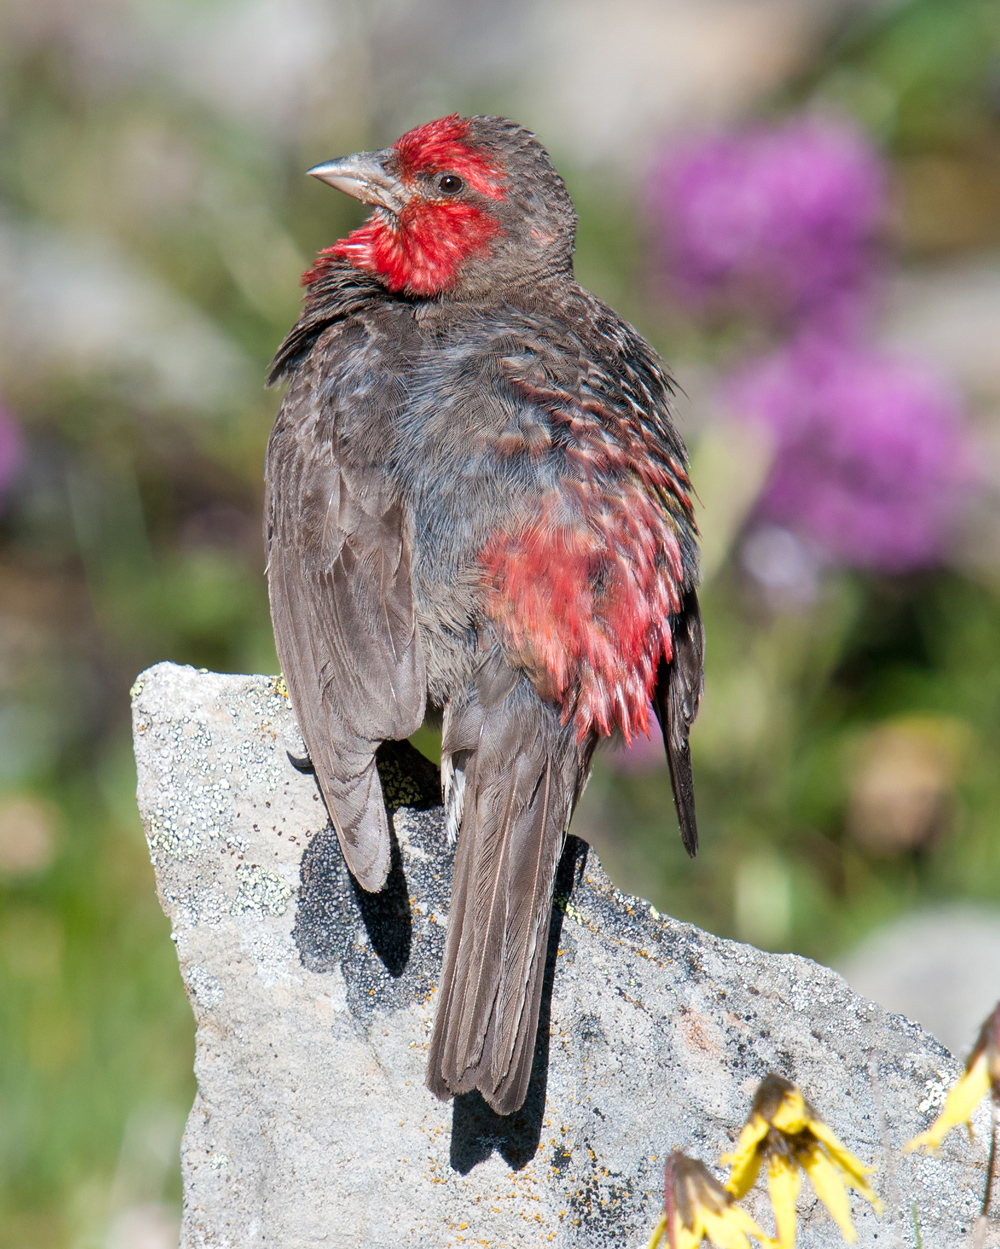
(313, 1000)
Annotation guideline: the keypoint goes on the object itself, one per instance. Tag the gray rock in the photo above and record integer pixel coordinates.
(314, 1003)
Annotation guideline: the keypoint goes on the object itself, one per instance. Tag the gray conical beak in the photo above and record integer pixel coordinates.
(364, 176)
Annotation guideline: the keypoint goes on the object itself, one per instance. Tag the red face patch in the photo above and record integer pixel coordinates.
(423, 249)
(442, 147)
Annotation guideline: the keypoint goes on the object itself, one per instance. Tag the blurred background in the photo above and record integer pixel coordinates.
(798, 201)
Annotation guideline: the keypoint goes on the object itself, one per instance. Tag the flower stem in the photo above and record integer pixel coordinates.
(916, 1225)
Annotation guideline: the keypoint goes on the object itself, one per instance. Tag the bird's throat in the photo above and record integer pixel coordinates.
(421, 252)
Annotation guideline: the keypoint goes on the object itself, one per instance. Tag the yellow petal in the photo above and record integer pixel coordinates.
(744, 1172)
(791, 1114)
(729, 1230)
(783, 1183)
(686, 1237)
(659, 1231)
(745, 1158)
(852, 1168)
(958, 1106)
(828, 1185)
(752, 1133)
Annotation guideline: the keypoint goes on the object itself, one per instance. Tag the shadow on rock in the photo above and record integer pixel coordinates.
(325, 922)
(386, 915)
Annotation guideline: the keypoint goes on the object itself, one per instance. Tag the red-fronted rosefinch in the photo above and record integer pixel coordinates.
(477, 501)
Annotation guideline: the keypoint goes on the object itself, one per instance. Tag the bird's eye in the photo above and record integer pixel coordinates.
(450, 183)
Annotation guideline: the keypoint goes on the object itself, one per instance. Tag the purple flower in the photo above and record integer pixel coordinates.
(776, 221)
(873, 460)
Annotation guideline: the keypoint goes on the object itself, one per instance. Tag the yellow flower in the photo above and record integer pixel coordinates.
(786, 1135)
(982, 1076)
(697, 1206)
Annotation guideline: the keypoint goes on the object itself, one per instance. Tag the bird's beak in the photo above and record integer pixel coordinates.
(364, 176)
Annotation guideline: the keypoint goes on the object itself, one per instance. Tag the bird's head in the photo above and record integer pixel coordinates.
(463, 205)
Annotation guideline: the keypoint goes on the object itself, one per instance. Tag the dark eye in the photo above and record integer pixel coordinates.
(450, 183)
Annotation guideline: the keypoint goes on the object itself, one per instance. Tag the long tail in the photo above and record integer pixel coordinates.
(516, 773)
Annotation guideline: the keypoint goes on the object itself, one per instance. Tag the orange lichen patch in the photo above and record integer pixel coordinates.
(696, 1034)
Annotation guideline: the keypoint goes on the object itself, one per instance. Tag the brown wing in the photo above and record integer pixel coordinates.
(678, 691)
(344, 620)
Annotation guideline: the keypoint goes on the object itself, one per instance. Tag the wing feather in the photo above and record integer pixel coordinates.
(678, 691)
(339, 576)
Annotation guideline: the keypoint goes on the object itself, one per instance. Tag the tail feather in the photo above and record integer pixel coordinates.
(521, 782)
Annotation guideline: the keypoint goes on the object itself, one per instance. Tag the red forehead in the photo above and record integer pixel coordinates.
(445, 145)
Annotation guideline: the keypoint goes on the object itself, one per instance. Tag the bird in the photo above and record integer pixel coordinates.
(477, 506)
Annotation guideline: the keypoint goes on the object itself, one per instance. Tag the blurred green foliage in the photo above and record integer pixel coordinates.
(150, 250)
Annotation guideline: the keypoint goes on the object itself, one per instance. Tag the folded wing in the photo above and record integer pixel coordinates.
(678, 691)
(345, 627)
